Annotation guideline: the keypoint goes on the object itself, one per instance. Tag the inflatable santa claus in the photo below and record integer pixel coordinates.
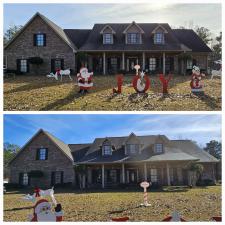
(43, 212)
(196, 80)
(84, 79)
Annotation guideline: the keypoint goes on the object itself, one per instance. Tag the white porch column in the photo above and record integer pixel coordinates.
(145, 171)
(164, 63)
(104, 69)
(103, 176)
(123, 61)
(168, 174)
(143, 60)
(123, 174)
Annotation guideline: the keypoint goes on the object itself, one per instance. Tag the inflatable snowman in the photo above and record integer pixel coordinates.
(84, 79)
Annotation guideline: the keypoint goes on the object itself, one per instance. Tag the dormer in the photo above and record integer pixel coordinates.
(159, 35)
(106, 147)
(132, 145)
(133, 34)
(158, 147)
(107, 35)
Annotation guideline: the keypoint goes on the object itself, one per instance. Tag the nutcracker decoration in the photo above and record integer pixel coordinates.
(165, 82)
(84, 79)
(119, 79)
(141, 82)
(196, 80)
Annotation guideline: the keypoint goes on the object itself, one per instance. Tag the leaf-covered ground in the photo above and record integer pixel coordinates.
(197, 204)
(41, 93)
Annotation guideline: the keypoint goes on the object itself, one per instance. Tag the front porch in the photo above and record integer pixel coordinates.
(114, 175)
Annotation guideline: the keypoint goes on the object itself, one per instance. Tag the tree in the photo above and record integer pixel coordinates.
(81, 171)
(214, 148)
(194, 172)
(11, 32)
(217, 48)
(204, 34)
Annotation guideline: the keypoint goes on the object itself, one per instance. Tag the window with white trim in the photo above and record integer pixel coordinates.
(153, 173)
(107, 38)
(152, 64)
(25, 179)
(189, 63)
(107, 150)
(132, 149)
(158, 148)
(40, 39)
(159, 38)
(23, 65)
(133, 38)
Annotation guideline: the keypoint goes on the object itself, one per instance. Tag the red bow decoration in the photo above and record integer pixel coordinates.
(37, 192)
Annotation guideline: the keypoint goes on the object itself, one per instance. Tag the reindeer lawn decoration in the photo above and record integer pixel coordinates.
(60, 73)
(141, 82)
(217, 73)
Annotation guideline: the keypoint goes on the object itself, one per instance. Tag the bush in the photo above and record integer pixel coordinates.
(155, 186)
(205, 182)
(36, 174)
(12, 185)
(36, 60)
(64, 185)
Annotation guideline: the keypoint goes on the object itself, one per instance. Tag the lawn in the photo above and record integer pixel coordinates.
(41, 93)
(197, 204)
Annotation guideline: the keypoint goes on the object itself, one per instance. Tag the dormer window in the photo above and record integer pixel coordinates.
(133, 38)
(132, 149)
(107, 150)
(107, 38)
(158, 148)
(159, 38)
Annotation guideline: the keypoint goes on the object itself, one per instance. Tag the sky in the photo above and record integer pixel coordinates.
(85, 15)
(83, 128)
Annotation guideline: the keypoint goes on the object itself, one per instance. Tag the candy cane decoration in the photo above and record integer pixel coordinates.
(145, 185)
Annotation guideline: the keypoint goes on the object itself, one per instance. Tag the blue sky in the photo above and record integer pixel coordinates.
(85, 15)
(81, 128)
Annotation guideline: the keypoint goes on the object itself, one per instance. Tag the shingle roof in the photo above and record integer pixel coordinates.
(191, 40)
(78, 150)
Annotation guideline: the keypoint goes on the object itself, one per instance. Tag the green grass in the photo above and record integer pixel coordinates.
(40, 93)
(197, 204)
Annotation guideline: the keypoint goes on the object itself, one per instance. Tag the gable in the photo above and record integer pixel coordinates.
(133, 28)
(40, 24)
(107, 29)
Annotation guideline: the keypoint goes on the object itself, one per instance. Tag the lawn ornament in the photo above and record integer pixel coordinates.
(145, 185)
(165, 82)
(141, 82)
(44, 193)
(216, 218)
(175, 217)
(217, 73)
(52, 75)
(119, 78)
(196, 80)
(30, 198)
(63, 73)
(43, 212)
(84, 79)
(120, 219)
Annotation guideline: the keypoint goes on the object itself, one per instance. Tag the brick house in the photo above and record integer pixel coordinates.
(109, 161)
(106, 48)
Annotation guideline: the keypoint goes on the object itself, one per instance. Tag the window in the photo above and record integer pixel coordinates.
(158, 148)
(132, 149)
(58, 177)
(39, 40)
(107, 150)
(152, 64)
(107, 38)
(153, 173)
(57, 64)
(23, 66)
(25, 179)
(42, 154)
(189, 64)
(133, 38)
(159, 38)
(112, 176)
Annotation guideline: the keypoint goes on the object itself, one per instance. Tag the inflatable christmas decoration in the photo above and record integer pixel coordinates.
(175, 217)
(43, 212)
(60, 73)
(119, 79)
(165, 82)
(196, 80)
(120, 219)
(84, 79)
(141, 82)
(216, 218)
(145, 185)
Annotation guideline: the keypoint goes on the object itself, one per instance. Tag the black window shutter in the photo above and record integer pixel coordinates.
(62, 174)
(44, 35)
(46, 155)
(28, 179)
(38, 154)
(52, 178)
(35, 39)
(21, 178)
(62, 64)
(53, 65)
(18, 63)
(28, 66)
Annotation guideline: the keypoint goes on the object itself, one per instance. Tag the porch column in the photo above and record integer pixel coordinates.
(89, 176)
(164, 63)
(123, 61)
(143, 61)
(145, 172)
(103, 176)
(86, 61)
(123, 174)
(104, 69)
(168, 174)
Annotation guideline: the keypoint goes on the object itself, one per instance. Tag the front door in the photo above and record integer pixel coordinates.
(131, 176)
(131, 63)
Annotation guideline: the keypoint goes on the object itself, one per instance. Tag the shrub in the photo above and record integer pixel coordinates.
(36, 174)
(63, 185)
(36, 60)
(12, 185)
(205, 182)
